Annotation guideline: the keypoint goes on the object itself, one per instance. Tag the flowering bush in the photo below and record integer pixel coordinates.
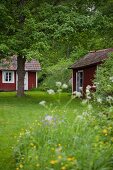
(104, 81)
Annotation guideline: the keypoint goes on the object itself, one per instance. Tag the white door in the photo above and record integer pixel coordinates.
(79, 81)
(25, 81)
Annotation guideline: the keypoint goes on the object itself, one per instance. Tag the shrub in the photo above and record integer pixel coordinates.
(104, 79)
(57, 73)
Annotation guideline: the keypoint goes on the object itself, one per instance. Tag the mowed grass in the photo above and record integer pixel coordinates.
(17, 113)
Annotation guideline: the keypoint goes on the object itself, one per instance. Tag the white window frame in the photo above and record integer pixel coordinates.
(4, 74)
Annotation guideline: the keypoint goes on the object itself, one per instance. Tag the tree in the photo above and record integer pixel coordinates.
(32, 28)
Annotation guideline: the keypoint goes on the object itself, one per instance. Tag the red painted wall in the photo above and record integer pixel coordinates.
(12, 86)
(89, 73)
(7, 86)
(31, 80)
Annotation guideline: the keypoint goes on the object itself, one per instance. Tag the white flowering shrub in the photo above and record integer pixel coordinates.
(104, 81)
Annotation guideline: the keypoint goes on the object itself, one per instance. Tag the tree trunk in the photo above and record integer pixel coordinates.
(21, 74)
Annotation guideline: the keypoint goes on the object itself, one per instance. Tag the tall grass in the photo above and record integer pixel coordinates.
(81, 141)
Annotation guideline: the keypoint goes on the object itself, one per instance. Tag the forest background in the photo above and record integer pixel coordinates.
(56, 32)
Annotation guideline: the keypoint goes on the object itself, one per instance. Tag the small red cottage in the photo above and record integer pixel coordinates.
(84, 69)
(9, 77)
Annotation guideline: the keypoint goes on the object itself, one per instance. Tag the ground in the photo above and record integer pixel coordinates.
(16, 113)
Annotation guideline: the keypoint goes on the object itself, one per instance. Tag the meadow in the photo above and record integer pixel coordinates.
(63, 133)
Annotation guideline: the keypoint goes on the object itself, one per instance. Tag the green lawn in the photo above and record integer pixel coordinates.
(17, 113)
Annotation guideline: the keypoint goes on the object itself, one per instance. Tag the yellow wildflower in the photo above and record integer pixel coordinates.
(31, 144)
(63, 168)
(59, 144)
(53, 162)
(17, 168)
(52, 149)
(60, 157)
(105, 131)
(21, 166)
(70, 158)
(37, 165)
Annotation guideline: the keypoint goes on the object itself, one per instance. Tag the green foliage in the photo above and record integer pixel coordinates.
(56, 73)
(104, 78)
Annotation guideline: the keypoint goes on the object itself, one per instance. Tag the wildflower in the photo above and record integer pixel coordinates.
(51, 91)
(31, 144)
(48, 118)
(21, 166)
(87, 91)
(63, 168)
(105, 131)
(89, 106)
(88, 97)
(42, 103)
(88, 87)
(17, 168)
(52, 149)
(53, 162)
(37, 165)
(59, 157)
(64, 86)
(59, 144)
(59, 90)
(78, 94)
(109, 98)
(58, 150)
(84, 102)
(111, 79)
(58, 84)
(70, 158)
(99, 100)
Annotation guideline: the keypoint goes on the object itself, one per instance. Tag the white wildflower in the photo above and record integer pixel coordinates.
(78, 94)
(99, 100)
(111, 79)
(51, 91)
(64, 86)
(109, 98)
(42, 103)
(85, 113)
(59, 90)
(88, 97)
(58, 84)
(87, 91)
(90, 107)
(84, 102)
(88, 87)
(48, 118)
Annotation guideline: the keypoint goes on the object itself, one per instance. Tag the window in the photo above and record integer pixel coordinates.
(8, 77)
(79, 80)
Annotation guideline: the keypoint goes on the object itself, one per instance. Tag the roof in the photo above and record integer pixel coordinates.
(11, 64)
(92, 58)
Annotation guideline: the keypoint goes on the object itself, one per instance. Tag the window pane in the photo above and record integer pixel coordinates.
(10, 76)
(6, 76)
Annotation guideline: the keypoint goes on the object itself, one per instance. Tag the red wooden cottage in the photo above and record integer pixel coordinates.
(84, 69)
(9, 77)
